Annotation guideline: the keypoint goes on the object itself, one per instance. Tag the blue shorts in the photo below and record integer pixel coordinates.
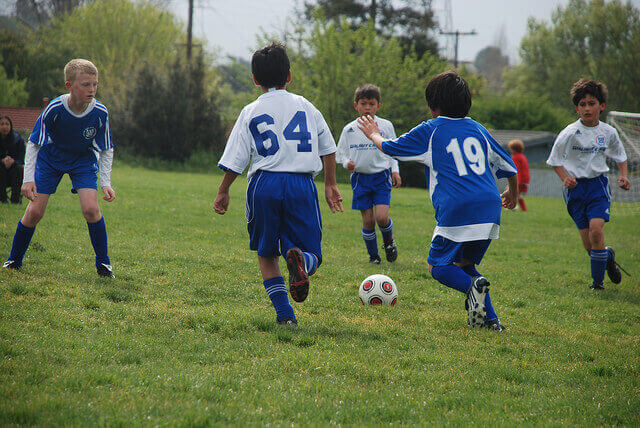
(371, 189)
(47, 176)
(444, 251)
(283, 212)
(591, 198)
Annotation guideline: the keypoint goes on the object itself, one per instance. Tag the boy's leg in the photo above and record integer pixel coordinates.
(25, 230)
(470, 268)
(369, 234)
(276, 290)
(523, 206)
(97, 230)
(598, 254)
(386, 227)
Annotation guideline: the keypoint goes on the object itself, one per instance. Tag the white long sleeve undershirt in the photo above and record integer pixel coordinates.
(104, 167)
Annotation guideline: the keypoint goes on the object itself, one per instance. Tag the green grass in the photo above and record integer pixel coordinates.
(185, 335)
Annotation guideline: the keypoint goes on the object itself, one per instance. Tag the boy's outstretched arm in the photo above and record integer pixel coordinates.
(221, 203)
(331, 192)
(623, 181)
(510, 195)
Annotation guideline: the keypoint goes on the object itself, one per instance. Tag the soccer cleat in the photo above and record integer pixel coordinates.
(375, 259)
(596, 287)
(612, 267)
(475, 301)
(495, 325)
(287, 322)
(105, 271)
(391, 250)
(298, 278)
(11, 264)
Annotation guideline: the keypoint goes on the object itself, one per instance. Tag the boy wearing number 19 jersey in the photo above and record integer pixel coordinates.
(287, 141)
(459, 155)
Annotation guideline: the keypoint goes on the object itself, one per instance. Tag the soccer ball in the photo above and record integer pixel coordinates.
(378, 290)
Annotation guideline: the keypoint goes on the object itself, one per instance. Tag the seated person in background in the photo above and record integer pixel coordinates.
(11, 161)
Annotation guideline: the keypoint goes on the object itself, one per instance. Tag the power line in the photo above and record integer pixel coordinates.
(457, 35)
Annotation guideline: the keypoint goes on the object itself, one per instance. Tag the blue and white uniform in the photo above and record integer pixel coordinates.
(282, 136)
(583, 151)
(63, 142)
(459, 156)
(371, 181)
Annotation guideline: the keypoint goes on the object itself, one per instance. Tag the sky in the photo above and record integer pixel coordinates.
(231, 26)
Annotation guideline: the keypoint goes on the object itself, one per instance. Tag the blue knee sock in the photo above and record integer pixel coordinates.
(598, 265)
(310, 263)
(491, 313)
(98, 235)
(453, 277)
(278, 294)
(21, 241)
(370, 240)
(387, 232)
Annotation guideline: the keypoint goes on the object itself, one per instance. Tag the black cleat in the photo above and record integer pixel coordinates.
(288, 322)
(494, 325)
(11, 264)
(375, 259)
(391, 250)
(475, 301)
(105, 271)
(298, 277)
(596, 287)
(612, 267)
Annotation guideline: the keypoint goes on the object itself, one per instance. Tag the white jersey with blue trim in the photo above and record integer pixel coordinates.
(67, 137)
(583, 150)
(354, 146)
(278, 132)
(459, 156)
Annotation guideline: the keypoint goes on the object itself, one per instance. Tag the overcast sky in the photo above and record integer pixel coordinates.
(232, 25)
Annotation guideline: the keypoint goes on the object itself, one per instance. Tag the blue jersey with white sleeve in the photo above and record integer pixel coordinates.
(68, 139)
(459, 156)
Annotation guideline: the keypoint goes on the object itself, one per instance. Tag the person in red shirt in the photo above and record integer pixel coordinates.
(516, 147)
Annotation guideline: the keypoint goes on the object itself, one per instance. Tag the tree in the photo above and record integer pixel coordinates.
(412, 22)
(594, 39)
(491, 64)
(12, 91)
(35, 13)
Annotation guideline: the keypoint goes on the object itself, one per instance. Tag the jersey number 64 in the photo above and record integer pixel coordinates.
(296, 130)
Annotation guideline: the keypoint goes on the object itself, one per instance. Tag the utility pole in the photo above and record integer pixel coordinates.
(457, 33)
(373, 11)
(189, 30)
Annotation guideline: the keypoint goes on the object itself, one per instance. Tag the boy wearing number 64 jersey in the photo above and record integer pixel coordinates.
(287, 141)
(459, 155)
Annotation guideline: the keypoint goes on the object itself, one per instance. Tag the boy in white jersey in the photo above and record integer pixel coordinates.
(372, 173)
(71, 136)
(579, 157)
(287, 141)
(459, 155)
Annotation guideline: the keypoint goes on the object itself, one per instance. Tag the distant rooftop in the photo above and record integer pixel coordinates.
(529, 138)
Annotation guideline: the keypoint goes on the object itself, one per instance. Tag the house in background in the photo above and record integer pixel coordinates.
(23, 118)
(537, 144)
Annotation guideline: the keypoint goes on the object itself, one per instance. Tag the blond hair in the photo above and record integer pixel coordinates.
(78, 66)
(516, 146)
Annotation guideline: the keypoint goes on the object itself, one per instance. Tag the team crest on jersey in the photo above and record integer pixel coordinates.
(89, 132)
(600, 140)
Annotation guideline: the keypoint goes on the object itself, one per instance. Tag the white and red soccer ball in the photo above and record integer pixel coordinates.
(378, 290)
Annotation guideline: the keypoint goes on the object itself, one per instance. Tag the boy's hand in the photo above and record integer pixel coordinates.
(569, 182)
(624, 182)
(509, 198)
(221, 202)
(351, 166)
(368, 126)
(29, 191)
(109, 193)
(333, 197)
(395, 178)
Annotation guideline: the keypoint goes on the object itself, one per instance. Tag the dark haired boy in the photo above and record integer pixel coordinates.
(372, 173)
(287, 141)
(458, 154)
(579, 157)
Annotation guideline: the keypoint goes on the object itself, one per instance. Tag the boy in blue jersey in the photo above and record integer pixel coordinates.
(287, 141)
(71, 136)
(372, 174)
(459, 155)
(579, 157)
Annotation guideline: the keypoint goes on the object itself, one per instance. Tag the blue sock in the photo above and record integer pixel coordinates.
(598, 265)
(21, 241)
(453, 277)
(98, 235)
(491, 313)
(278, 294)
(310, 263)
(370, 240)
(387, 232)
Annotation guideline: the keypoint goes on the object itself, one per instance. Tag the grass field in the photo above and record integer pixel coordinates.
(185, 335)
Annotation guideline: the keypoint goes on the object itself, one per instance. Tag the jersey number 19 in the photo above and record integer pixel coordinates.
(472, 151)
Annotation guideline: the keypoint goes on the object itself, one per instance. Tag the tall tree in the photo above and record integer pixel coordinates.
(593, 39)
(34, 13)
(412, 22)
(491, 63)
